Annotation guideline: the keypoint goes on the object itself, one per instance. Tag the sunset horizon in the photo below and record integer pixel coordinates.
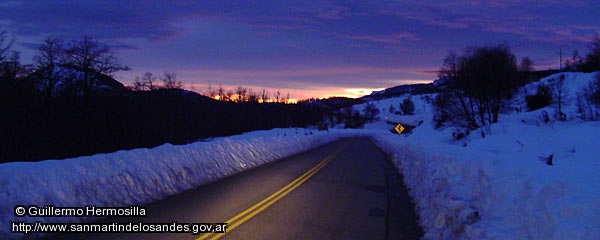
(312, 50)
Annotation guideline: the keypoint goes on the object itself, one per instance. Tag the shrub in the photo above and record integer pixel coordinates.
(370, 112)
(479, 83)
(588, 101)
(352, 118)
(407, 106)
(441, 109)
(542, 98)
(392, 109)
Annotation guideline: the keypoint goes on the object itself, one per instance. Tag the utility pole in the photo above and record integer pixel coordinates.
(560, 66)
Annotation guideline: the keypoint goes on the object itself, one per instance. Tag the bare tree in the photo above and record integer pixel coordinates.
(286, 99)
(229, 96)
(526, 65)
(277, 96)
(148, 79)
(370, 111)
(576, 59)
(170, 81)
(50, 56)
(252, 96)
(211, 91)
(559, 91)
(407, 106)
(12, 68)
(138, 85)
(588, 100)
(592, 59)
(5, 45)
(479, 82)
(575, 63)
(221, 93)
(242, 94)
(264, 95)
(92, 57)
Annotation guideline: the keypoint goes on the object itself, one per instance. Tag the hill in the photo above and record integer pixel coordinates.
(401, 90)
(521, 178)
(61, 121)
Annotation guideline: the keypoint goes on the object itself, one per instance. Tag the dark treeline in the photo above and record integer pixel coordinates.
(34, 128)
(67, 105)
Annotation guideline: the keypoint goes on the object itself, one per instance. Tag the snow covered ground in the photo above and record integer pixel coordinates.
(498, 187)
(492, 187)
(141, 176)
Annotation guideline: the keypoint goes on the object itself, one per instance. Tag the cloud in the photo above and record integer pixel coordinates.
(394, 38)
(528, 19)
(123, 46)
(336, 13)
(333, 71)
(105, 19)
(352, 44)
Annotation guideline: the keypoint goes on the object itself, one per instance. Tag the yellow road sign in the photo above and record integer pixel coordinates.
(399, 128)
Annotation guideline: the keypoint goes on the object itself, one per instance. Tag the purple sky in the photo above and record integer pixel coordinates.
(309, 48)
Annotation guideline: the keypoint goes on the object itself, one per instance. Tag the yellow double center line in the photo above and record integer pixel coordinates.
(244, 216)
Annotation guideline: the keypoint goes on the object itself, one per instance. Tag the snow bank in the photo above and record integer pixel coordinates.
(441, 214)
(140, 176)
(498, 187)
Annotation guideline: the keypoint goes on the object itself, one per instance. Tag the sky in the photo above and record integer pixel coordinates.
(307, 48)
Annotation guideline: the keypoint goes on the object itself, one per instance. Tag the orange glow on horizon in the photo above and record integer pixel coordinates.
(296, 95)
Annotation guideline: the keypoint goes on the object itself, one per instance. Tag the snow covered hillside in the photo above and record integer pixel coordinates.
(499, 186)
(492, 187)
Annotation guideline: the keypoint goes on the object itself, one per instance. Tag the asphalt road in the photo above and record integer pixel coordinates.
(343, 190)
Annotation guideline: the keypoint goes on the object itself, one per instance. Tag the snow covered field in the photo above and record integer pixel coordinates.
(498, 187)
(492, 187)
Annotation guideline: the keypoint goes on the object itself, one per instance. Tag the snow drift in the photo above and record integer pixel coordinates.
(140, 176)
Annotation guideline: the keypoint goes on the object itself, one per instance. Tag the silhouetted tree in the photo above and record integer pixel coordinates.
(5, 45)
(12, 68)
(252, 96)
(370, 111)
(277, 96)
(286, 100)
(138, 85)
(92, 57)
(444, 106)
(48, 61)
(592, 59)
(542, 98)
(212, 93)
(241, 94)
(588, 100)
(526, 65)
(170, 81)
(221, 93)
(10, 65)
(229, 96)
(148, 79)
(576, 63)
(407, 106)
(558, 86)
(351, 118)
(479, 82)
(264, 95)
